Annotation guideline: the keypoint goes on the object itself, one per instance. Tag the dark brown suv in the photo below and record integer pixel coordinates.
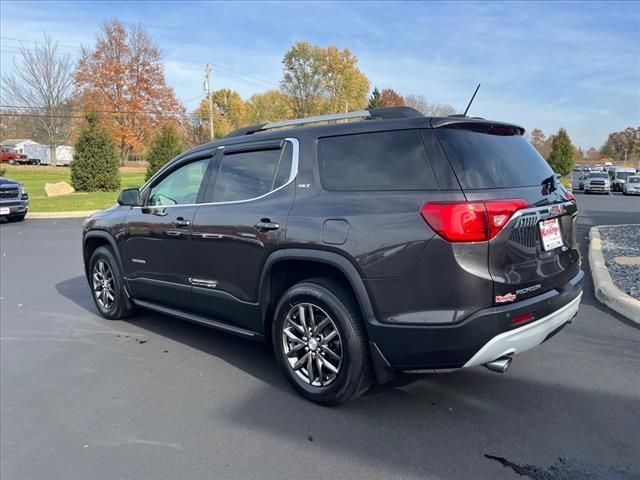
(361, 245)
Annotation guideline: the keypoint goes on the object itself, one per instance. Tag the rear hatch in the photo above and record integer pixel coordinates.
(532, 248)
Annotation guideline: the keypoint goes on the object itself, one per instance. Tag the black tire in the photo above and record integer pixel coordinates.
(121, 306)
(17, 218)
(354, 375)
(12, 162)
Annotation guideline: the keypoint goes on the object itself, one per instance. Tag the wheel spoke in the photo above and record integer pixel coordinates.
(327, 364)
(310, 368)
(291, 336)
(301, 361)
(329, 337)
(294, 350)
(302, 318)
(295, 325)
(326, 321)
(319, 367)
(312, 320)
(331, 353)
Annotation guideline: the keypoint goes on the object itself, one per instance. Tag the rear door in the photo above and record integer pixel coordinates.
(243, 220)
(536, 251)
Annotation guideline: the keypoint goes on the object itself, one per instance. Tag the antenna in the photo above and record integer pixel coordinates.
(471, 101)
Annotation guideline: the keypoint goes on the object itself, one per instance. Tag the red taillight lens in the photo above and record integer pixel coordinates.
(470, 221)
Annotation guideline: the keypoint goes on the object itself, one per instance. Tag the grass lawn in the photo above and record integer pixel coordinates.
(34, 179)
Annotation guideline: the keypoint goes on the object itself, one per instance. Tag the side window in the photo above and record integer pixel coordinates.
(247, 175)
(393, 160)
(179, 187)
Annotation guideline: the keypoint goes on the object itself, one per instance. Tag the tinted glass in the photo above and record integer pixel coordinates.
(598, 175)
(634, 179)
(181, 186)
(483, 160)
(375, 161)
(247, 175)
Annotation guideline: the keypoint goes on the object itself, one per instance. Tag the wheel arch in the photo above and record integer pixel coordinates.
(318, 262)
(99, 238)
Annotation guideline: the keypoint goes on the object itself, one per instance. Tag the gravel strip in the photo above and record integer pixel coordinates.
(622, 241)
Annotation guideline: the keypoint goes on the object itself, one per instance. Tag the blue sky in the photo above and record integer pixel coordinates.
(549, 65)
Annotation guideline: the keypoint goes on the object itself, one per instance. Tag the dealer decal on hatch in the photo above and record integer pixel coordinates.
(509, 297)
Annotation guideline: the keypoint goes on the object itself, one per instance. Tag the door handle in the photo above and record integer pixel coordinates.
(266, 224)
(181, 223)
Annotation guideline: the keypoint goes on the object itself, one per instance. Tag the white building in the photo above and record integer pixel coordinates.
(17, 144)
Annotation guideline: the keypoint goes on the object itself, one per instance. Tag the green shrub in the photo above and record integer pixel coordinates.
(164, 146)
(95, 165)
(2, 171)
(561, 156)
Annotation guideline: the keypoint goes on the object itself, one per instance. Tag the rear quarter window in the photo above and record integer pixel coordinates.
(394, 160)
(482, 160)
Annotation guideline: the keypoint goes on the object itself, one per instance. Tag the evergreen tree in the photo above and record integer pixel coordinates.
(95, 162)
(561, 156)
(375, 101)
(164, 146)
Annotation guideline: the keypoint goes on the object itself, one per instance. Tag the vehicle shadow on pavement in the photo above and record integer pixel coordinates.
(420, 426)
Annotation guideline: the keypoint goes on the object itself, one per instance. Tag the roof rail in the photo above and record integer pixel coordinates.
(382, 113)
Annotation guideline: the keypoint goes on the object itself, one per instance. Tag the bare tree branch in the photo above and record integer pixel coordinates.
(43, 81)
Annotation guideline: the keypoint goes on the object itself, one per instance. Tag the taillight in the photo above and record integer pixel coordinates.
(470, 221)
(525, 317)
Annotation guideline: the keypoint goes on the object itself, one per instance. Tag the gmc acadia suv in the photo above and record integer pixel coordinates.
(362, 245)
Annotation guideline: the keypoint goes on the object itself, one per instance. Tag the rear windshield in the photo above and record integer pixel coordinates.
(483, 160)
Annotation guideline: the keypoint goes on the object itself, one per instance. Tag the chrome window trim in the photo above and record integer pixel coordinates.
(540, 213)
(292, 176)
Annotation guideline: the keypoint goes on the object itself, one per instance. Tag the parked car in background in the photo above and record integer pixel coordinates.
(618, 177)
(355, 267)
(14, 200)
(632, 185)
(14, 157)
(597, 182)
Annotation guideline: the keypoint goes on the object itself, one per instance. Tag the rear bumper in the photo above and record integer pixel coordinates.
(483, 337)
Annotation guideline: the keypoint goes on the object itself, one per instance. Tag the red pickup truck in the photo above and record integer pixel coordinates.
(13, 157)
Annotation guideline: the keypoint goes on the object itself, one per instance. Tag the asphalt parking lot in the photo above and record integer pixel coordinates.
(154, 397)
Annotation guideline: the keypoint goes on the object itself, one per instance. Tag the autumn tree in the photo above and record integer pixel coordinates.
(230, 111)
(618, 142)
(420, 103)
(593, 155)
(302, 79)
(270, 106)
(195, 131)
(345, 86)
(123, 77)
(561, 156)
(391, 98)
(42, 86)
(95, 162)
(165, 146)
(374, 100)
(322, 80)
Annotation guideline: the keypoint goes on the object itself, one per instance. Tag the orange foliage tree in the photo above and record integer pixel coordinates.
(123, 79)
(390, 98)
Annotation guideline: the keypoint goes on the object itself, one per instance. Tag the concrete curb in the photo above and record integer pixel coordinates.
(604, 287)
(44, 215)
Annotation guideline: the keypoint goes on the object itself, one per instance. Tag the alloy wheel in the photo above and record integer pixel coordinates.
(103, 284)
(312, 344)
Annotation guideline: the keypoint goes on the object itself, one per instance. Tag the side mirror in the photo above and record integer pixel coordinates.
(129, 197)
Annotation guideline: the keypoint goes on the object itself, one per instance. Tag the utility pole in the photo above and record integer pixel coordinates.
(625, 156)
(207, 89)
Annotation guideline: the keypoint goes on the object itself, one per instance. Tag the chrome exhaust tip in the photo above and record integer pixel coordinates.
(499, 365)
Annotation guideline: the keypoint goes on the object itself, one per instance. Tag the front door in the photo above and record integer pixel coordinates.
(243, 221)
(158, 235)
